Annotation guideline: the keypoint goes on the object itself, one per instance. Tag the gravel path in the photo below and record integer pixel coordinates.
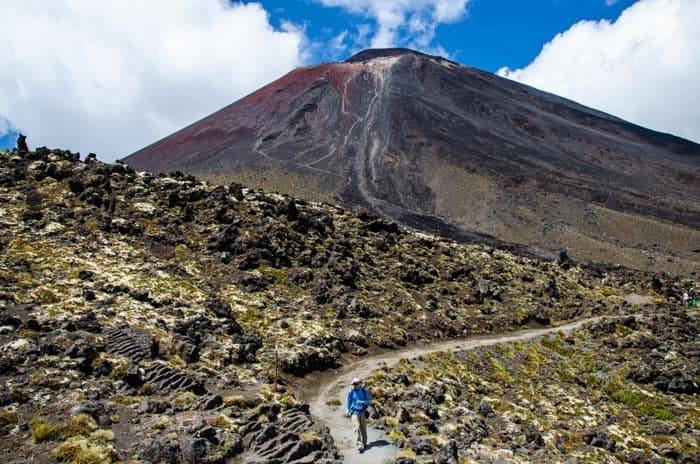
(334, 385)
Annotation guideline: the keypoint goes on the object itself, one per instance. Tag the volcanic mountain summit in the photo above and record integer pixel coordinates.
(453, 150)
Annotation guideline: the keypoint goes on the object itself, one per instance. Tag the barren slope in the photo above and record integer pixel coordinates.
(449, 149)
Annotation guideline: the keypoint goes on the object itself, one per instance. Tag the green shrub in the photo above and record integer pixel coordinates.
(43, 431)
(636, 399)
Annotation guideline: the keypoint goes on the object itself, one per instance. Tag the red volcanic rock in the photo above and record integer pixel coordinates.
(450, 149)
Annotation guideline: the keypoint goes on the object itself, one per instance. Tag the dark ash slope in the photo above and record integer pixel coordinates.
(454, 150)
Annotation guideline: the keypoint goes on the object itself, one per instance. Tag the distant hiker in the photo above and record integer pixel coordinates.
(686, 298)
(693, 297)
(22, 143)
(356, 408)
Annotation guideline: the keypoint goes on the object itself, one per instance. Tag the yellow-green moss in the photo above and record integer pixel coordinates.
(500, 371)
(184, 399)
(391, 421)
(239, 401)
(273, 276)
(406, 453)
(309, 435)
(44, 431)
(80, 425)
(396, 435)
(8, 419)
(162, 424)
(630, 395)
(80, 450)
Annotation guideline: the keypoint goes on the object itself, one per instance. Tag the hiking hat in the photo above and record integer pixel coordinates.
(356, 380)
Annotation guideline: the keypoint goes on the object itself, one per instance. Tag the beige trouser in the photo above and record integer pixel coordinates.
(359, 429)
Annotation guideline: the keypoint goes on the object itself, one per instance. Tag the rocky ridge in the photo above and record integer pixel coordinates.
(139, 313)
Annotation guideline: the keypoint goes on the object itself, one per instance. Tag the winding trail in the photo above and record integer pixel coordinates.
(333, 385)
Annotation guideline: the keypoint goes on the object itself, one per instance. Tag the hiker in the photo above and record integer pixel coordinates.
(691, 295)
(686, 298)
(356, 408)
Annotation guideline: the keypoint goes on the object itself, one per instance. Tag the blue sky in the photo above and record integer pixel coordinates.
(490, 35)
(8, 139)
(111, 77)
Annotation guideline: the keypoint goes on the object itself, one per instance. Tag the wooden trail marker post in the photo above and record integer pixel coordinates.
(276, 359)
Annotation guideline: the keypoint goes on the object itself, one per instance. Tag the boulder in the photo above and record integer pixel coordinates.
(220, 308)
(158, 450)
(89, 323)
(421, 445)
(94, 409)
(209, 402)
(485, 409)
(188, 352)
(448, 454)
(600, 439)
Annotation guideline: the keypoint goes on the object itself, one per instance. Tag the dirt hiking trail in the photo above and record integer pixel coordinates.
(333, 385)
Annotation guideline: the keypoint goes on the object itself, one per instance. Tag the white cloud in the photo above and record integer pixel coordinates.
(644, 67)
(337, 45)
(114, 76)
(408, 23)
(5, 126)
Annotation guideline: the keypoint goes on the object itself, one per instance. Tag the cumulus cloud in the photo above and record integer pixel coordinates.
(644, 67)
(408, 23)
(112, 77)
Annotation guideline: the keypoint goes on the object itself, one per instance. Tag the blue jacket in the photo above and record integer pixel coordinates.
(352, 406)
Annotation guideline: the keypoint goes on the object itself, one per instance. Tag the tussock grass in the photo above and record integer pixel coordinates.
(44, 431)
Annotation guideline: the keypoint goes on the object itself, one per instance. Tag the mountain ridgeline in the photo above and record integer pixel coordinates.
(449, 149)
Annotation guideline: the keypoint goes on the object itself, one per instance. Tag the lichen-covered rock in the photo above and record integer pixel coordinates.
(448, 454)
(94, 409)
(159, 450)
